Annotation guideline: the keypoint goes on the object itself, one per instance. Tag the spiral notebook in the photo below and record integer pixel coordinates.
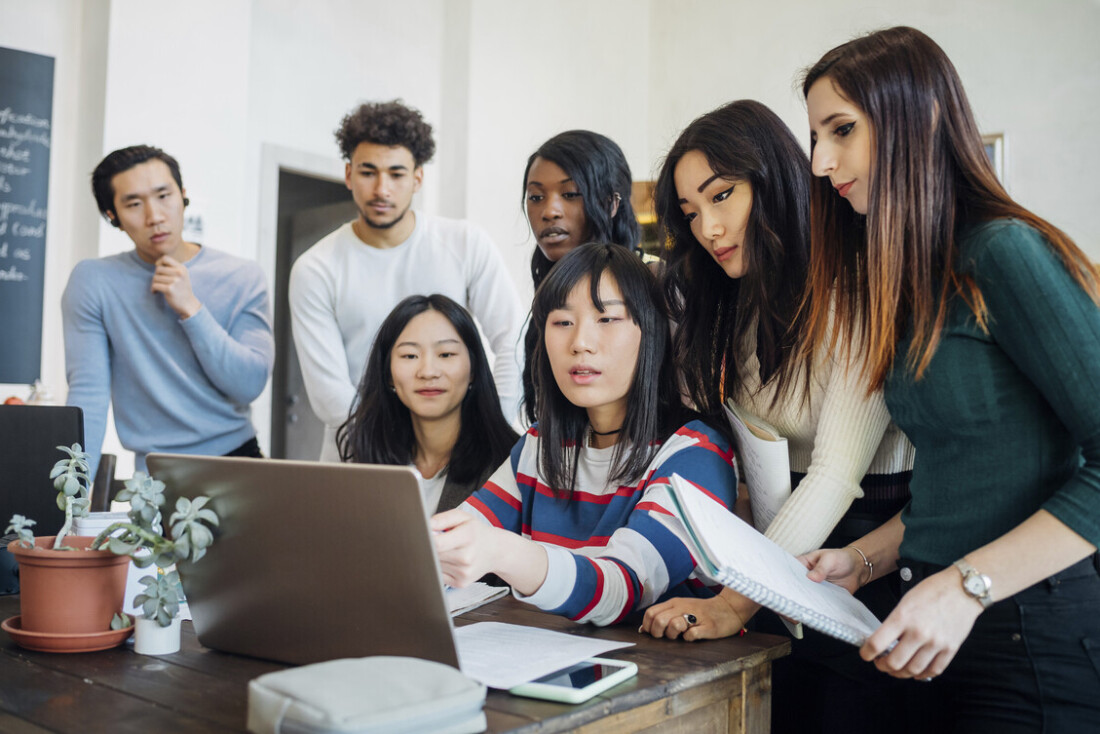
(736, 555)
(763, 458)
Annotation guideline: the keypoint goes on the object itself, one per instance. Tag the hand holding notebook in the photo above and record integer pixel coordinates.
(743, 559)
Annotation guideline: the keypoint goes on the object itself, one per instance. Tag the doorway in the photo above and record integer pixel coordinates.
(309, 207)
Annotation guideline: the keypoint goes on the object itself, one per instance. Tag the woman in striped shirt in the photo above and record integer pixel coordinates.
(577, 520)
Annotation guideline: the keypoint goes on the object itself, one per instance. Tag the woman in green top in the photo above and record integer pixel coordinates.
(981, 322)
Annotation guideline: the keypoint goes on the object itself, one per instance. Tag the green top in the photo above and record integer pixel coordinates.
(1008, 422)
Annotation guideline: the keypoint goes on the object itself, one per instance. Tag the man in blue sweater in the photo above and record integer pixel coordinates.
(177, 335)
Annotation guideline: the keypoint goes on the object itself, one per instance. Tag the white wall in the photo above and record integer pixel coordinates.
(539, 69)
(1031, 70)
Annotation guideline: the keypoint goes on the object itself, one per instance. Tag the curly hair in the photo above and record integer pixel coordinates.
(386, 123)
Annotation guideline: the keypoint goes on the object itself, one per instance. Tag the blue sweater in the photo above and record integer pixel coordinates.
(608, 555)
(177, 386)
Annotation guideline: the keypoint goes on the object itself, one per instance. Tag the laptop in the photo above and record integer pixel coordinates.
(29, 437)
(311, 561)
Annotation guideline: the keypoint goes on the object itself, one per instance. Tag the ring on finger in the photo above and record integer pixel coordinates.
(691, 620)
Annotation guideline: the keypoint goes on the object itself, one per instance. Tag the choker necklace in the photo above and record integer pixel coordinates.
(607, 433)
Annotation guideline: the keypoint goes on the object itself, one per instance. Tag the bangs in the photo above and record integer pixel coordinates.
(593, 260)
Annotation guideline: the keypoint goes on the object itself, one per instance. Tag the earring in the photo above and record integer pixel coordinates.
(393, 388)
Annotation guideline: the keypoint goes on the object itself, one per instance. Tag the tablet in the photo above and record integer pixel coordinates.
(578, 682)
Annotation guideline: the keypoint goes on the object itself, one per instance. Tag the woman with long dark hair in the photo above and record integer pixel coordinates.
(427, 399)
(733, 201)
(576, 189)
(570, 520)
(980, 319)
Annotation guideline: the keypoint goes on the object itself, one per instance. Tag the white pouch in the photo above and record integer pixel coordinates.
(383, 694)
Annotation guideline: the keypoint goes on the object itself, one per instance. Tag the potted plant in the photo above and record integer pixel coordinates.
(53, 569)
(144, 540)
(69, 592)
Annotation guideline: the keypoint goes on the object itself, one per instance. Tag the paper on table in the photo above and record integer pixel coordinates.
(460, 601)
(762, 454)
(503, 655)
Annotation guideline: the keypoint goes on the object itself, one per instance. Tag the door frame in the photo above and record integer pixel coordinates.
(273, 159)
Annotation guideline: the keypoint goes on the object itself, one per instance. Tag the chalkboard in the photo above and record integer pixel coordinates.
(26, 109)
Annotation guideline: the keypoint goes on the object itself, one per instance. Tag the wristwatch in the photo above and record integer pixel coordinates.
(975, 583)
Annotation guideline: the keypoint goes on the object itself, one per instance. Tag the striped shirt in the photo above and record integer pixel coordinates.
(608, 555)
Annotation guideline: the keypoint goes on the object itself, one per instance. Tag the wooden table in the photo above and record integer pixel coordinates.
(717, 686)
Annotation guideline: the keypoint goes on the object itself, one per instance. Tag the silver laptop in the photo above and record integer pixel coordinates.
(312, 561)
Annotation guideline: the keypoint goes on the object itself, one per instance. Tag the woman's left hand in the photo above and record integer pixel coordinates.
(929, 624)
(719, 616)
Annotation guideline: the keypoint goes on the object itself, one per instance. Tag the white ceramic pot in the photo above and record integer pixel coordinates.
(152, 639)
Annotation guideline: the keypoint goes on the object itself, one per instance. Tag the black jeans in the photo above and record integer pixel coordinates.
(249, 449)
(824, 686)
(1031, 663)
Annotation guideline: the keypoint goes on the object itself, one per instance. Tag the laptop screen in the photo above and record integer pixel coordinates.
(311, 561)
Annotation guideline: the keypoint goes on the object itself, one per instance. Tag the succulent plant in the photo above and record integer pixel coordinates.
(160, 601)
(71, 480)
(21, 526)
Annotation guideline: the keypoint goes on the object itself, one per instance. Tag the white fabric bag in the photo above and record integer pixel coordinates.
(383, 694)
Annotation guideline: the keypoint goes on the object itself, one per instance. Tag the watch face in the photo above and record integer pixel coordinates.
(975, 585)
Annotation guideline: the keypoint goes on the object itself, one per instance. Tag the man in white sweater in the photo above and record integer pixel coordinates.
(343, 287)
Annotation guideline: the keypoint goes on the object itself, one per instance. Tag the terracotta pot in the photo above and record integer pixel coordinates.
(75, 591)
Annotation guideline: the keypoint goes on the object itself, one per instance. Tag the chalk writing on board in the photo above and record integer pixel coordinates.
(26, 111)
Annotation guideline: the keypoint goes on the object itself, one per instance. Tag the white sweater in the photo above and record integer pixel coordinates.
(840, 435)
(341, 290)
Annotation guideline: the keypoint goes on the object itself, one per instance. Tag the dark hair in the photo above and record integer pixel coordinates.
(600, 171)
(895, 269)
(654, 409)
(742, 140)
(123, 160)
(379, 429)
(386, 123)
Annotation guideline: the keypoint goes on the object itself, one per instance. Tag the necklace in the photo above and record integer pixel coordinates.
(593, 433)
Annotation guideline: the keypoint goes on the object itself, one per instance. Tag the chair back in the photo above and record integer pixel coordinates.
(29, 437)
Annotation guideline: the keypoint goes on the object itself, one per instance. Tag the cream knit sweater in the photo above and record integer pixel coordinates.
(835, 438)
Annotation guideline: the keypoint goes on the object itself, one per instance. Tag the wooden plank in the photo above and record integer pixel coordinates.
(63, 703)
(12, 725)
(752, 710)
(712, 719)
(678, 712)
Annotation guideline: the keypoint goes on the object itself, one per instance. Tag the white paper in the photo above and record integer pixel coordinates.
(765, 462)
(777, 577)
(460, 601)
(503, 655)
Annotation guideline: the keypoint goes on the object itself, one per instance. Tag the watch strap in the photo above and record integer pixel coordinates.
(968, 571)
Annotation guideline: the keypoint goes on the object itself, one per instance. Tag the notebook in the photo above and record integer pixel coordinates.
(311, 561)
(763, 457)
(735, 554)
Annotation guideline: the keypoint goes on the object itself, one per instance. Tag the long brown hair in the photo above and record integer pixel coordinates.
(930, 178)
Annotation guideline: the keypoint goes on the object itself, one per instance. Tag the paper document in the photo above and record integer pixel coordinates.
(744, 560)
(763, 457)
(460, 601)
(504, 655)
